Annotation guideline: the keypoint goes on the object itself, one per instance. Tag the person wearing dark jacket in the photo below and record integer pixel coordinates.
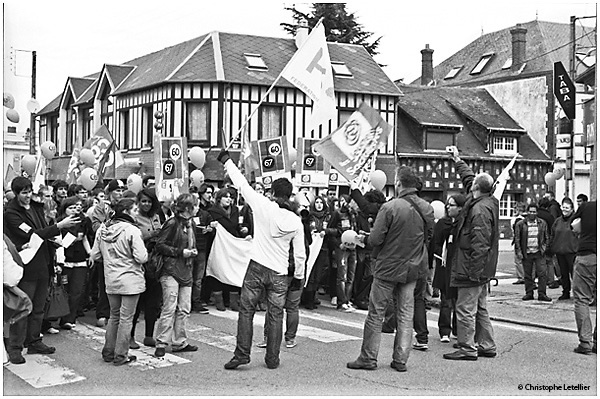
(531, 242)
(22, 219)
(319, 219)
(563, 244)
(546, 211)
(474, 264)
(585, 223)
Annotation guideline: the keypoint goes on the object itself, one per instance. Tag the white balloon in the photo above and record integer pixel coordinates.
(134, 183)
(197, 178)
(33, 106)
(9, 100)
(439, 209)
(12, 115)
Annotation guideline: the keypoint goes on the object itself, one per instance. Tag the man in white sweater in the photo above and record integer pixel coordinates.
(276, 226)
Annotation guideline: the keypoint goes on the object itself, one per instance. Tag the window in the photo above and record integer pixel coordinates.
(196, 122)
(88, 119)
(124, 131)
(147, 126)
(340, 70)
(255, 61)
(453, 72)
(271, 122)
(508, 205)
(482, 63)
(438, 140)
(505, 145)
(70, 136)
(52, 133)
(106, 113)
(507, 64)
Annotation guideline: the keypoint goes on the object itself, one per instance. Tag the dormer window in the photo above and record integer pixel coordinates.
(504, 145)
(482, 63)
(340, 70)
(255, 61)
(453, 72)
(437, 139)
(507, 64)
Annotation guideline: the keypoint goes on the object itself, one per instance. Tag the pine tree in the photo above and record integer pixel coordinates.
(340, 26)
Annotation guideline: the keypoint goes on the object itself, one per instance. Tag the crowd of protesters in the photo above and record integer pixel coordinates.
(131, 254)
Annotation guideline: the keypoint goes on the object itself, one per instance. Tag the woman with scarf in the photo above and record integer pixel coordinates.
(176, 243)
(120, 245)
(227, 214)
(148, 221)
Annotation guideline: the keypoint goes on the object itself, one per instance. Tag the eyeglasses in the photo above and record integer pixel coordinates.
(449, 204)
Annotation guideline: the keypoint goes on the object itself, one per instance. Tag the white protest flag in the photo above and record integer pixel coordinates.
(39, 176)
(502, 180)
(310, 71)
(313, 253)
(229, 258)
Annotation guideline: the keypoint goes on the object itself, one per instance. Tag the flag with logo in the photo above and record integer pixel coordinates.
(248, 161)
(351, 146)
(310, 71)
(39, 176)
(108, 156)
(502, 180)
(73, 171)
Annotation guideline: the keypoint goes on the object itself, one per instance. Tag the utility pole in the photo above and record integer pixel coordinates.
(570, 165)
(32, 135)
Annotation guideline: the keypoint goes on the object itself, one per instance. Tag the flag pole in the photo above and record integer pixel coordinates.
(264, 97)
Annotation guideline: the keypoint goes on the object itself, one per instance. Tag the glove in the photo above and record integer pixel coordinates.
(223, 156)
(296, 284)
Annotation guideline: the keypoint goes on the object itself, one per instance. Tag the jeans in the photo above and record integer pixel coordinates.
(539, 262)
(519, 267)
(565, 262)
(177, 304)
(346, 261)
(257, 279)
(198, 275)
(122, 309)
(26, 331)
(474, 326)
(584, 287)
(76, 277)
(420, 317)
(150, 302)
(383, 294)
(292, 315)
(447, 318)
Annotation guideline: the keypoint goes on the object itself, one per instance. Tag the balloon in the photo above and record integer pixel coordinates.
(48, 149)
(134, 183)
(439, 209)
(197, 178)
(378, 179)
(558, 173)
(550, 178)
(197, 156)
(87, 157)
(351, 237)
(89, 178)
(33, 106)
(28, 163)
(12, 115)
(9, 100)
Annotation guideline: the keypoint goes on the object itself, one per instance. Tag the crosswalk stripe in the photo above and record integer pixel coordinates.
(42, 371)
(145, 355)
(317, 334)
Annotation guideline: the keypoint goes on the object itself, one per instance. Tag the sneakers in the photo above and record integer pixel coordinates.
(160, 352)
(133, 344)
(334, 301)
(187, 348)
(40, 348)
(344, 307)
(419, 346)
(519, 281)
(584, 351)
(149, 341)
(458, 355)
(262, 344)
(445, 338)
(290, 343)
(553, 285)
(235, 362)
(356, 365)
(544, 298)
(101, 322)
(483, 353)
(528, 297)
(126, 360)
(398, 366)
(16, 358)
(564, 296)
(200, 309)
(52, 330)
(67, 326)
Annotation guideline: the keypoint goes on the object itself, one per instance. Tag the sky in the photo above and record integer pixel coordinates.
(75, 38)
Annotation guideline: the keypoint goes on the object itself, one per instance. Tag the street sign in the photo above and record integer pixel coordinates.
(564, 90)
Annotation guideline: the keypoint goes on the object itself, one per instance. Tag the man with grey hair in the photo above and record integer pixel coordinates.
(398, 239)
(474, 264)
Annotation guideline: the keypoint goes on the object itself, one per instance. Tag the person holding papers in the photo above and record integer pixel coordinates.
(24, 222)
(276, 226)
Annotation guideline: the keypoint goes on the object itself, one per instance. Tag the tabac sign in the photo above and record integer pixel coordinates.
(564, 90)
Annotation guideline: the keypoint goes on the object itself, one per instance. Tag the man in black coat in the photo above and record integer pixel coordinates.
(546, 212)
(22, 219)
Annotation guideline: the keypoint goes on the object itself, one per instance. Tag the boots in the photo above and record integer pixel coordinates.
(309, 300)
(218, 299)
(234, 301)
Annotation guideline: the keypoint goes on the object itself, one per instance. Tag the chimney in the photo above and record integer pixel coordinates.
(301, 33)
(426, 66)
(519, 43)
